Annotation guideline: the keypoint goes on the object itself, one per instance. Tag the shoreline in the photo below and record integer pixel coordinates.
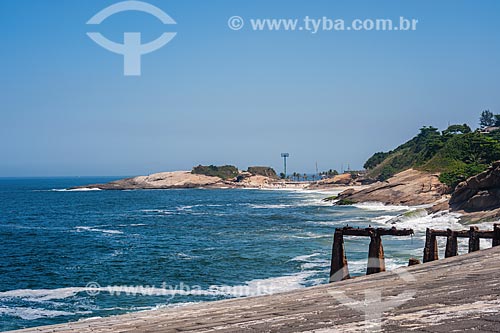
(323, 191)
(318, 309)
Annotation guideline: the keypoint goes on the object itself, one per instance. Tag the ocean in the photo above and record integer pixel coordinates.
(70, 255)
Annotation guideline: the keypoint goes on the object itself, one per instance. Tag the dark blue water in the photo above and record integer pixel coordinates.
(67, 255)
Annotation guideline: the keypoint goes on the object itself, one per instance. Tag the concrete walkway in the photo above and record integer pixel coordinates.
(450, 295)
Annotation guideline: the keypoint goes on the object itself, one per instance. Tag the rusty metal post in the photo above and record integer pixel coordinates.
(338, 270)
(431, 248)
(473, 239)
(376, 260)
(496, 234)
(451, 244)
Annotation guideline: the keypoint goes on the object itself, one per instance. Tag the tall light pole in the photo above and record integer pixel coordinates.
(285, 156)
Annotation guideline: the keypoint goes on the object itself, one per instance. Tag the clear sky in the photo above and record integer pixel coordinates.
(218, 96)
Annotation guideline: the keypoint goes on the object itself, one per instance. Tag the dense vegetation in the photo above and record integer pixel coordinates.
(456, 153)
(263, 171)
(224, 172)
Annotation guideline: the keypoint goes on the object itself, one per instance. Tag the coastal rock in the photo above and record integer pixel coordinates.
(410, 187)
(478, 198)
(162, 180)
(338, 180)
(186, 179)
(478, 193)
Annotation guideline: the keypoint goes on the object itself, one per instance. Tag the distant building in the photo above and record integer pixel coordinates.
(490, 129)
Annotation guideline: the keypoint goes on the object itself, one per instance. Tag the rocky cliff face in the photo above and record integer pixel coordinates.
(410, 187)
(478, 193)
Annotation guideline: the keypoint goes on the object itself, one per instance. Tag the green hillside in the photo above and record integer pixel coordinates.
(456, 153)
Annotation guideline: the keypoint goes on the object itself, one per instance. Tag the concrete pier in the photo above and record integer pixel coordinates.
(455, 294)
(451, 244)
(376, 261)
(338, 270)
(376, 258)
(431, 247)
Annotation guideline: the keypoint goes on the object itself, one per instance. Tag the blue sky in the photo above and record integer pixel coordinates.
(216, 96)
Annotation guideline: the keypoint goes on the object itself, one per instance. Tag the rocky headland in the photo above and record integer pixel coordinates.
(455, 170)
(477, 199)
(201, 177)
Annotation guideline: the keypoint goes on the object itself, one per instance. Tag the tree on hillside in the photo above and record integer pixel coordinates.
(427, 143)
(457, 129)
(487, 119)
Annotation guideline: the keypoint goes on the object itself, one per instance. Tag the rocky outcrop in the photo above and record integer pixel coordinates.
(263, 171)
(336, 181)
(478, 193)
(162, 180)
(478, 198)
(410, 187)
(186, 179)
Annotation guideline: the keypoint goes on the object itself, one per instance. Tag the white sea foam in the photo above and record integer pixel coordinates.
(419, 223)
(383, 219)
(83, 189)
(266, 286)
(269, 206)
(306, 257)
(132, 225)
(318, 263)
(308, 235)
(183, 208)
(351, 221)
(93, 229)
(158, 211)
(251, 288)
(32, 314)
(310, 261)
(42, 295)
(359, 266)
(378, 206)
(184, 256)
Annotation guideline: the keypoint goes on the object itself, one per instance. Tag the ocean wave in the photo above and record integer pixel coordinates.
(268, 286)
(343, 222)
(358, 267)
(308, 235)
(299, 203)
(94, 229)
(250, 288)
(419, 222)
(42, 295)
(315, 264)
(84, 189)
(183, 208)
(306, 257)
(33, 314)
(379, 206)
(132, 225)
(384, 219)
(269, 206)
(311, 261)
(158, 211)
(184, 256)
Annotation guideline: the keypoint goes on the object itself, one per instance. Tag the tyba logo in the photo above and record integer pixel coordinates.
(132, 49)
